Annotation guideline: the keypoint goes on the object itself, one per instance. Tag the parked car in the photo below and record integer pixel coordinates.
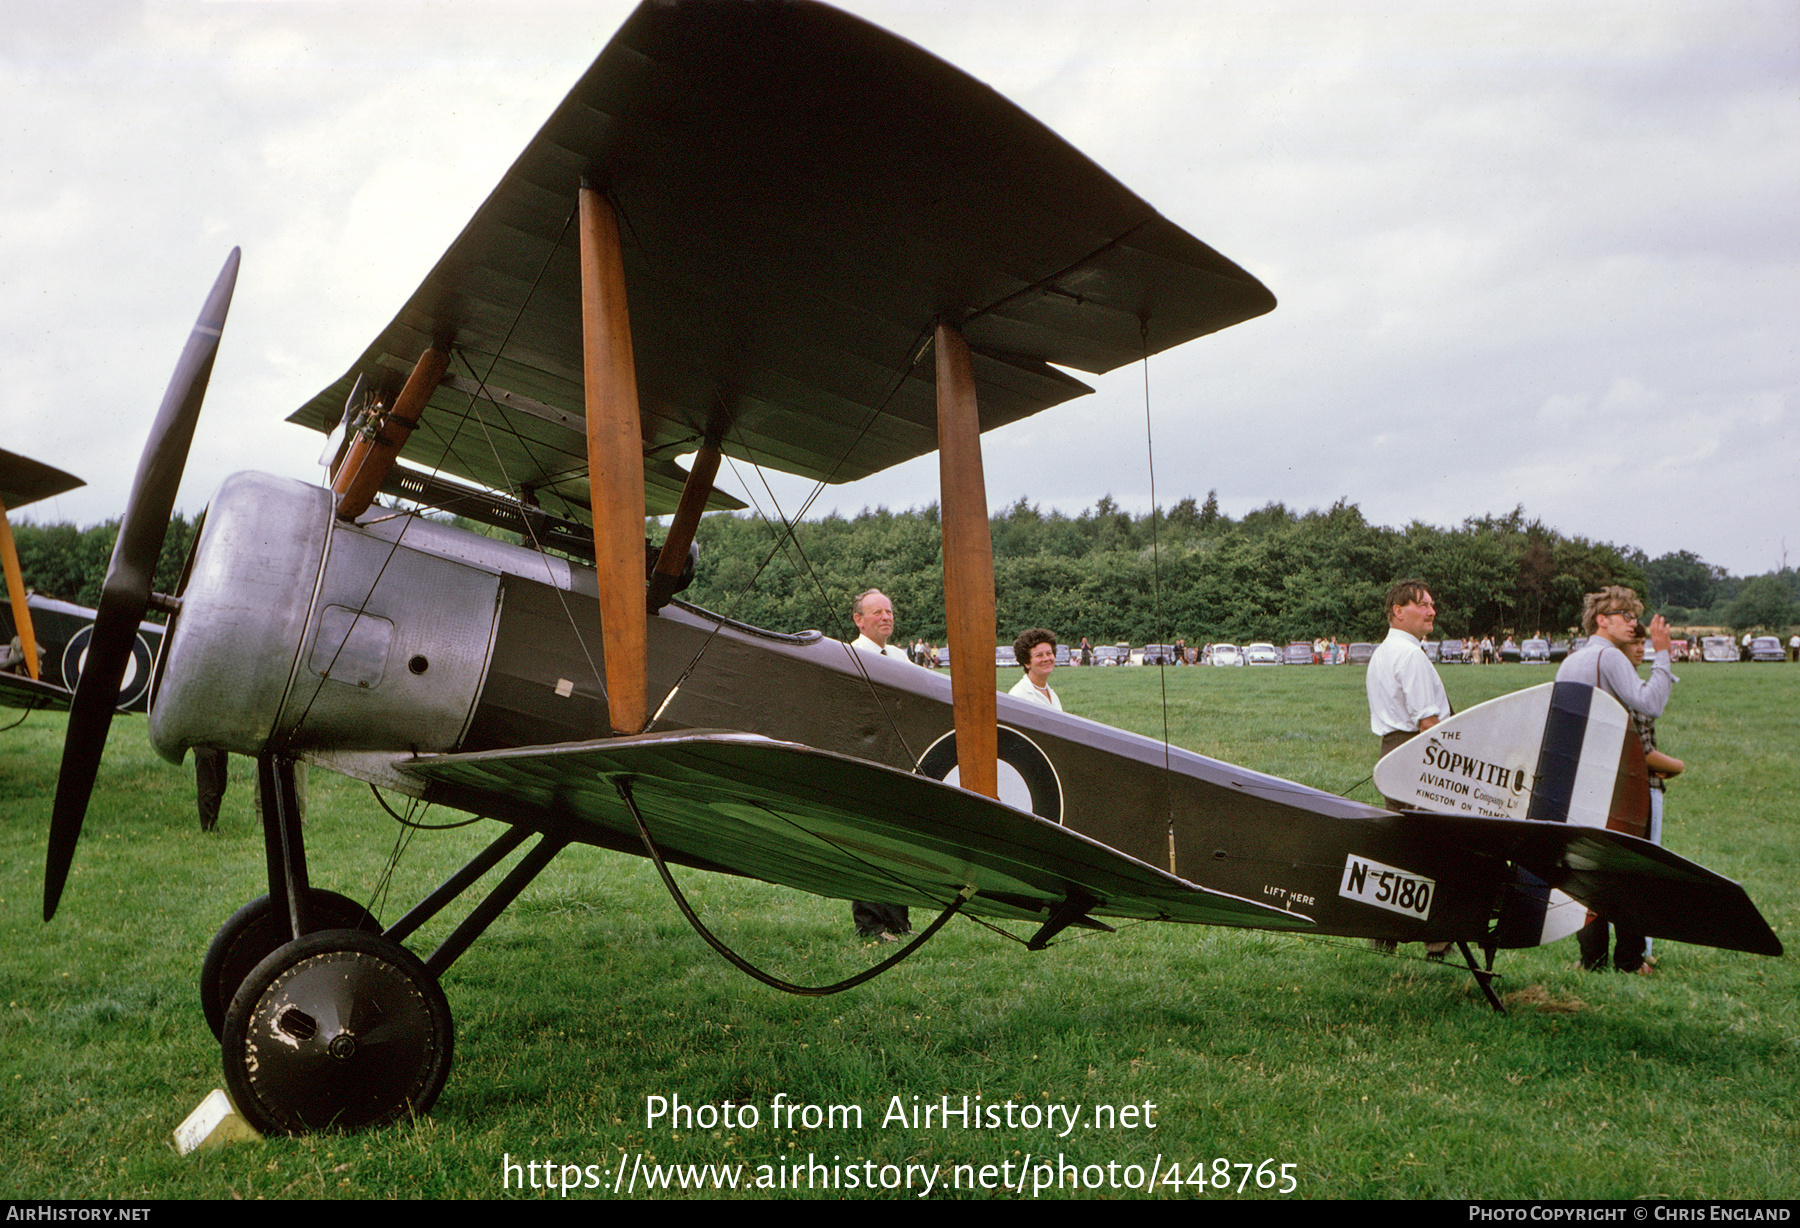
(1227, 654)
(1300, 652)
(1159, 654)
(1454, 652)
(1509, 651)
(1432, 649)
(1262, 654)
(1535, 652)
(1718, 648)
(1767, 648)
(1106, 654)
(1559, 650)
(1360, 653)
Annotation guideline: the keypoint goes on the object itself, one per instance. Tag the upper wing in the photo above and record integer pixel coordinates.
(23, 480)
(825, 823)
(801, 196)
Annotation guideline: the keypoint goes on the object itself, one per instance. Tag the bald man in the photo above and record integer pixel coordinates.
(873, 615)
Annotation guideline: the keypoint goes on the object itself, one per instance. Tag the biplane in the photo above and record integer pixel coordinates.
(770, 231)
(40, 670)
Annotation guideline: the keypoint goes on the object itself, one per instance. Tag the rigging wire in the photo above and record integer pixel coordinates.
(481, 383)
(745, 966)
(415, 825)
(385, 880)
(788, 535)
(1162, 637)
(29, 709)
(562, 596)
(394, 546)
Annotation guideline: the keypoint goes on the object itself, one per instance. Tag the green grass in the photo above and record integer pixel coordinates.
(1374, 1077)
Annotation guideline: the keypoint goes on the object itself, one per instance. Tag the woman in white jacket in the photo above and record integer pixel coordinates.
(1036, 651)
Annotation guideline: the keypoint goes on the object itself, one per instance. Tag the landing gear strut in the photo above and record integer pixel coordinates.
(324, 1022)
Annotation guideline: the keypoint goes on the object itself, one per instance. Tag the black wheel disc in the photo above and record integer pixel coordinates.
(337, 1030)
(252, 935)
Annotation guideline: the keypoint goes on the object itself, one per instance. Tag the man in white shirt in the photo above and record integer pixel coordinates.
(873, 615)
(1406, 696)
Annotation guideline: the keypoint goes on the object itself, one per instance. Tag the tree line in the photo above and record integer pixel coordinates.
(1190, 572)
(1194, 572)
(69, 564)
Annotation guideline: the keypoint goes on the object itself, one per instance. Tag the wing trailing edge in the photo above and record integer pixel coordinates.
(825, 823)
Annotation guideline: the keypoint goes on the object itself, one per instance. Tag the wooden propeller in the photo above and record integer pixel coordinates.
(126, 593)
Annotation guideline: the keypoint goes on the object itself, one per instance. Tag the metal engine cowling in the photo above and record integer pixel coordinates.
(300, 633)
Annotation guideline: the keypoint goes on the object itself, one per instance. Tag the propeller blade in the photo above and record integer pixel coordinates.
(126, 593)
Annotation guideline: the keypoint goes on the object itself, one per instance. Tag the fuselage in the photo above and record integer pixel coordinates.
(361, 646)
(63, 629)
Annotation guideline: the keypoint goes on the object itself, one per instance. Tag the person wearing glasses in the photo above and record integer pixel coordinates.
(1609, 618)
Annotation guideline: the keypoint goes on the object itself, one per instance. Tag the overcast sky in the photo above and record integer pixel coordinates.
(1539, 254)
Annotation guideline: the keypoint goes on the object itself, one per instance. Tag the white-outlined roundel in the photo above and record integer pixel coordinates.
(137, 669)
(1028, 780)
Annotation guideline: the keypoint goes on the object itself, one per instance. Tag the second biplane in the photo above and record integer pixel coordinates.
(43, 641)
(772, 231)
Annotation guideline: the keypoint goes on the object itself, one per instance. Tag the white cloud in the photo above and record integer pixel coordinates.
(1496, 231)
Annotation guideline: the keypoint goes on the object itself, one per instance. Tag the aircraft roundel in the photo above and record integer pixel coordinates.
(1027, 779)
(137, 669)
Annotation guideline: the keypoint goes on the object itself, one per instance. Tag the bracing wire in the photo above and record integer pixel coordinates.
(1162, 637)
(413, 823)
(745, 966)
(394, 546)
(786, 537)
(29, 709)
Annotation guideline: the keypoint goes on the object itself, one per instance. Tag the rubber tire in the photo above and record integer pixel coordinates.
(337, 1030)
(252, 934)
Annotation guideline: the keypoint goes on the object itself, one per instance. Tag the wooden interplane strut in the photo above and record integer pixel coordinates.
(968, 565)
(615, 461)
(15, 590)
(694, 494)
(372, 455)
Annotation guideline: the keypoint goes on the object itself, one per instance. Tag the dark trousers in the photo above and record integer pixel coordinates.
(1389, 742)
(1628, 951)
(1393, 741)
(871, 919)
(209, 784)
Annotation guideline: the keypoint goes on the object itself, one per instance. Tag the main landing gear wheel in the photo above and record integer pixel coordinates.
(252, 935)
(337, 1030)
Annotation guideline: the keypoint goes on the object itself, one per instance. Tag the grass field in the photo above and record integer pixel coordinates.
(1370, 1076)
